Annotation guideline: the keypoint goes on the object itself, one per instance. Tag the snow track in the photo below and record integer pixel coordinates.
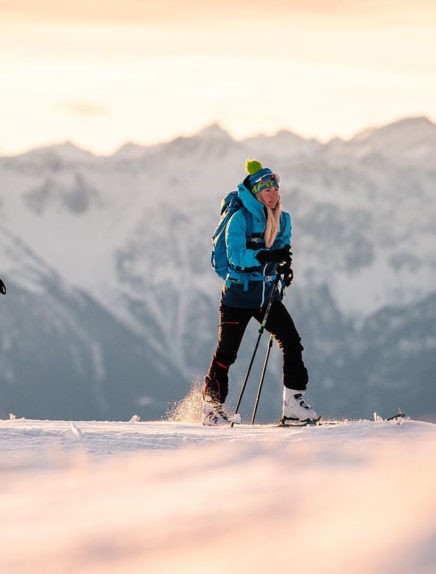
(116, 497)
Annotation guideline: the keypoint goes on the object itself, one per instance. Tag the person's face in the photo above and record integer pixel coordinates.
(269, 197)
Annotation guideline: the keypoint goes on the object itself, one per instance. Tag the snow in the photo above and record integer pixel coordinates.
(166, 497)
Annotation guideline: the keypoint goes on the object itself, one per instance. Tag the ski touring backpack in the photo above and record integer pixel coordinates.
(229, 205)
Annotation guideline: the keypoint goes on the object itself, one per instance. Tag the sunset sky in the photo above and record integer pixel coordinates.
(102, 73)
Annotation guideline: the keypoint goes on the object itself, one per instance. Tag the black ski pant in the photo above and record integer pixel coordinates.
(233, 322)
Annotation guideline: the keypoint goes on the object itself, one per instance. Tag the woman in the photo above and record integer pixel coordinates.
(258, 240)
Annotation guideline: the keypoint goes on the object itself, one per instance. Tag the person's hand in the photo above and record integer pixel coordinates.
(285, 270)
(275, 255)
(2, 288)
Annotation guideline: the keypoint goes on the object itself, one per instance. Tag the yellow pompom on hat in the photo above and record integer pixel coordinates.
(252, 166)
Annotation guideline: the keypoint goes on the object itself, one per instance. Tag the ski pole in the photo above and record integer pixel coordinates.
(262, 376)
(261, 330)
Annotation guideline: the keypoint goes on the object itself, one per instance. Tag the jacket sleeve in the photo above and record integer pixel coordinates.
(236, 243)
(287, 229)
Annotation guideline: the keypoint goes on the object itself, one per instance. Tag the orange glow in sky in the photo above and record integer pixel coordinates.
(101, 73)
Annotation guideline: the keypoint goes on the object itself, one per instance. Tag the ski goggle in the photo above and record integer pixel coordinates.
(265, 182)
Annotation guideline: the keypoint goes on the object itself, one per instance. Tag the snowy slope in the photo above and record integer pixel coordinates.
(164, 497)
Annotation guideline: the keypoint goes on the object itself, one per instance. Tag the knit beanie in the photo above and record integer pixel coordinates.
(257, 179)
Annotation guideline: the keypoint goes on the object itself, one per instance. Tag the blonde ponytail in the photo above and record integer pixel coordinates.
(272, 224)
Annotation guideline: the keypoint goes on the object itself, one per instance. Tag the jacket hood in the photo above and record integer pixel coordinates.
(253, 205)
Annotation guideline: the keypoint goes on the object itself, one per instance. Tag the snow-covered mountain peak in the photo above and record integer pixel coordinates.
(210, 135)
(130, 151)
(404, 142)
(215, 132)
(413, 130)
(66, 150)
(52, 157)
(282, 144)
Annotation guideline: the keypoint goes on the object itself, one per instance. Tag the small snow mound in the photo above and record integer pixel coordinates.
(188, 410)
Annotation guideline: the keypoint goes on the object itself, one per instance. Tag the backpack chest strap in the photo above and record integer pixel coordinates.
(235, 278)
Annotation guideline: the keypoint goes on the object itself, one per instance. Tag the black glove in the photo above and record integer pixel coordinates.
(2, 288)
(285, 270)
(275, 255)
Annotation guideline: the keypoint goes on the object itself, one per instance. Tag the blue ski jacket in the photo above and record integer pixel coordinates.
(249, 283)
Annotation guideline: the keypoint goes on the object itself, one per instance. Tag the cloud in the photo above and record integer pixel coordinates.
(168, 12)
(84, 108)
(192, 13)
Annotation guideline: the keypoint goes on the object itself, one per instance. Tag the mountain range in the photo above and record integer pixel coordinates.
(111, 307)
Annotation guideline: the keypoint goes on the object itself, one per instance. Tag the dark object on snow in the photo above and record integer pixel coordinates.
(2, 288)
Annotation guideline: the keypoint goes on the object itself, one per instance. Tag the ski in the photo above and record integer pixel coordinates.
(314, 423)
(398, 418)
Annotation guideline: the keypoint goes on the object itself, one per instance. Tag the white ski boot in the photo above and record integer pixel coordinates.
(214, 413)
(295, 408)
